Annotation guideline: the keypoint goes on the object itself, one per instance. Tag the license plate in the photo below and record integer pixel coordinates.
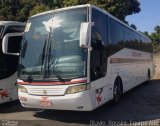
(46, 103)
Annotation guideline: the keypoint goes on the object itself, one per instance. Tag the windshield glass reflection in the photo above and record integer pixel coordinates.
(50, 47)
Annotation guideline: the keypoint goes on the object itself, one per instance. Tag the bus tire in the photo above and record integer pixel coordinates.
(149, 74)
(117, 90)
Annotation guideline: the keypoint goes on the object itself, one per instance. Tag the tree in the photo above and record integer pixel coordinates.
(146, 34)
(24, 9)
(157, 30)
(20, 10)
(39, 9)
(133, 26)
(155, 36)
(6, 12)
(17, 10)
(55, 4)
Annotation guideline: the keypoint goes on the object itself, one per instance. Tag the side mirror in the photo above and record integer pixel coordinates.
(11, 43)
(85, 33)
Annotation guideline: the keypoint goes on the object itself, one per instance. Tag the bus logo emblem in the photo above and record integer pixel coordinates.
(44, 92)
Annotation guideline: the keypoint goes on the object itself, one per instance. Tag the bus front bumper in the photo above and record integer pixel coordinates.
(79, 101)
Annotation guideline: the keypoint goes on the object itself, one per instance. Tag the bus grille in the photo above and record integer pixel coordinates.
(48, 91)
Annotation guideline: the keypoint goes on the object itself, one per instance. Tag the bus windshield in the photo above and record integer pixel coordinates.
(50, 47)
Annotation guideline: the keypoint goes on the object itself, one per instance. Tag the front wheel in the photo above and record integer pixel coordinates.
(117, 92)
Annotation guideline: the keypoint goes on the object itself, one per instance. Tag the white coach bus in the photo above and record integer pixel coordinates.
(79, 58)
(8, 63)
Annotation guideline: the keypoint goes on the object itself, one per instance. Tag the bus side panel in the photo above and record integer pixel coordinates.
(101, 91)
(8, 88)
(132, 66)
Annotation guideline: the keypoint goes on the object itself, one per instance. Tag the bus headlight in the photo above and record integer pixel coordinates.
(77, 88)
(22, 89)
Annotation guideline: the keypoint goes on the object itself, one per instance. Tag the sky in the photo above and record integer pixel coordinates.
(148, 17)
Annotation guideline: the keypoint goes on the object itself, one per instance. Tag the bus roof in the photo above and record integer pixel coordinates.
(92, 6)
(62, 9)
(7, 23)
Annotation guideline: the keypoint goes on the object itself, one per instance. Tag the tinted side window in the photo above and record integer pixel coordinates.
(135, 41)
(100, 25)
(12, 29)
(116, 36)
(115, 32)
(146, 45)
(8, 63)
(99, 41)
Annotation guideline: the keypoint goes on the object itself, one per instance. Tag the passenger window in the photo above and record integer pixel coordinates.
(116, 36)
(115, 32)
(99, 42)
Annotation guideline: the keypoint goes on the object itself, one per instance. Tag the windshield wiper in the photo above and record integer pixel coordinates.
(35, 67)
(58, 75)
(53, 69)
(40, 58)
(49, 57)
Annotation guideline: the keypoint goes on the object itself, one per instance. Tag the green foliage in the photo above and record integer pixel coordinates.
(55, 4)
(39, 9)
(155, 36)
(146, 34)
(24, 9)
(133, 26)
(157, 30)
(17, 10)
(6, 11)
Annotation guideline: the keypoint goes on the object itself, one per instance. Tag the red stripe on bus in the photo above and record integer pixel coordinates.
(52, 83)
(127, 60)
